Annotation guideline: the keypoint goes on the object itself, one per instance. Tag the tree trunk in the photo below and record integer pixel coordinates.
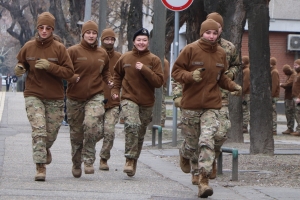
(261, 136)
(123, 22)
(135, 20)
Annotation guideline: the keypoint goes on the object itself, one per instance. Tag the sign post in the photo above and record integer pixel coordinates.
(176, 5)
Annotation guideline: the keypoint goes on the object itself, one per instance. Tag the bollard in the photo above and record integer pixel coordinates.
(154, 127)
(235, 162)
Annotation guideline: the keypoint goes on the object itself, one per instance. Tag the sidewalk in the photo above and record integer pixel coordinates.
(155, 177)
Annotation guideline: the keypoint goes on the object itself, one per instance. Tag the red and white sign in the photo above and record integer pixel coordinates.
(177, 5)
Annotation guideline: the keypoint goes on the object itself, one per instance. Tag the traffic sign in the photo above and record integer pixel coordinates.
(177, 5)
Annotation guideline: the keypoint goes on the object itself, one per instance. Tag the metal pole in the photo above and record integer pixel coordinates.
(176, 50)
(87, 10)
(102, 16)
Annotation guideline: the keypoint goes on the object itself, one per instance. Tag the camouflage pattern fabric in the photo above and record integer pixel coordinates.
(290, 113)
(111, 118)
(45, 117)
(199, 128)
(163, 106)
(274, 114)
(86, 125)
(297, 117)
(136, 120)
(246, 108)
(225, 125)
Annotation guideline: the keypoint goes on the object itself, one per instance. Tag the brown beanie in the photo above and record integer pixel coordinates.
(217, 17)
(245, 60)
(287, 69)
(46, 18)
(297, 61)
(89, 25)
(108, 32)
(273, 61)
(208, 24)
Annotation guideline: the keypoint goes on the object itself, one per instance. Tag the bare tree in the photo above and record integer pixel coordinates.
(135, 20)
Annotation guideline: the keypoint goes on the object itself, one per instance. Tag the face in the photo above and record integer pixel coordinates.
(45, 31)
(109, 40)
(90, 36)
(211, 35)
(296, 66)
(220, 29)
(141, 42)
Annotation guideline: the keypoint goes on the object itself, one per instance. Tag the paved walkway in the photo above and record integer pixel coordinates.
(155, 177)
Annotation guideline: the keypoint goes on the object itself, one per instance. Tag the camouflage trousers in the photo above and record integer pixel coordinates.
(297, 117)
(111, 118)
(290, 113)
(274, 114)
(199, 128)
(45, 117)
(86, 125)
(246, 108)
(136, 120)
(163, 106)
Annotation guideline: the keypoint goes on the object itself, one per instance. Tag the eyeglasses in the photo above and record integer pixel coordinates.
(48, 28)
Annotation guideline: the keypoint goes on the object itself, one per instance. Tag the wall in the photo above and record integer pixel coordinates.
(278, 49)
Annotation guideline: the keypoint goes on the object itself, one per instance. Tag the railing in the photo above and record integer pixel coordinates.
(235, 154)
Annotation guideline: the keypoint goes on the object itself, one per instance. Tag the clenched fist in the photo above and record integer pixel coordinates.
(42, 64)
(237, 90)
(19, 69)
(196, 74)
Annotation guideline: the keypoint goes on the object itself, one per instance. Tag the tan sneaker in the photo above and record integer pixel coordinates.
(103, 164)
(40, 172)
(88, 168)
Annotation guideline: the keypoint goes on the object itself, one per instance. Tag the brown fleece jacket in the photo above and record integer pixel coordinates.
(41, 83)
(275, 82)
(138, 85)
(296, 86)
(166, 71)
(246, 79)
(291, 75)
(91, 64)
(113, 56)
(206, 93)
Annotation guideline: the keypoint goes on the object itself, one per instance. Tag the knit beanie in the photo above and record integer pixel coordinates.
(108, 32)
(208, 24)
(287, 69)
(141, 31)
(217, 17)
(46, 18)
(89, 25)
(297, 61)
(245, 60)
(273, 61)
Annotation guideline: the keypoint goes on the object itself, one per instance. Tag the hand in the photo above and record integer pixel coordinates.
(114, 96)
(110, 84)
(19, 69)
(177, 102)
(138, 65)
(229, 74)
(196, 74)
(42, 64)
(237, 90)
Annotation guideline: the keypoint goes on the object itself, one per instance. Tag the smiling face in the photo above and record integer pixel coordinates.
(211, 35)
(141, 42)
(90, 36)
(45, 31)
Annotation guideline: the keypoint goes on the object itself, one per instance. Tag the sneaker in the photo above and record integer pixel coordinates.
(64, 123)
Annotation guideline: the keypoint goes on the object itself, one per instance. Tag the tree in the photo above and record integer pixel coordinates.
(135, 20)
(261, 137)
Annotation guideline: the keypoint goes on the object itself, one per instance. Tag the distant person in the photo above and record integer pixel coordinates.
(246, 93)
(275, 91)
(47, 62)
(8, 79)
(289, 103)
(112, 106)
(164, 92)
(14, 83)
(296, 96)
(138, 72)
(85, 106)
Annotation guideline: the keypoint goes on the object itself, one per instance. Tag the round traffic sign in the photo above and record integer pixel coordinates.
(177, 5)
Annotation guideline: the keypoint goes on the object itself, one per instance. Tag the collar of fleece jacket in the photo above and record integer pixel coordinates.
(88, 46)
(208, 46)
(43, 43)
(138, 53)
